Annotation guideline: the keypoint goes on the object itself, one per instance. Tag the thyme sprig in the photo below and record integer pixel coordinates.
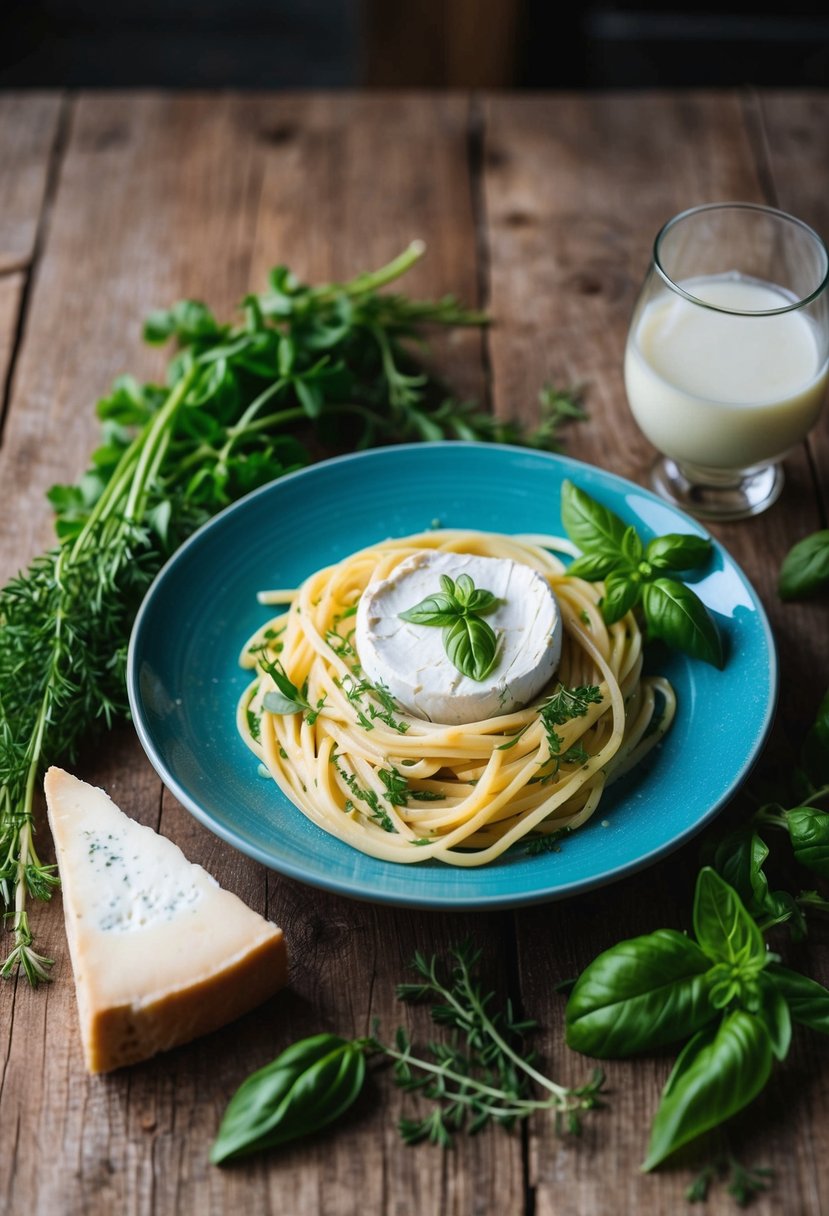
(482, 1072)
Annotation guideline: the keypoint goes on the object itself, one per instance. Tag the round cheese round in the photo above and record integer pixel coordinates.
(411, 660)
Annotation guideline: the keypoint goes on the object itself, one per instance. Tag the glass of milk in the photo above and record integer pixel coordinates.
(726, 358)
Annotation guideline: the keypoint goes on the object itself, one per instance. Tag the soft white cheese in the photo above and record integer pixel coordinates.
(411, 660)
(160, 952)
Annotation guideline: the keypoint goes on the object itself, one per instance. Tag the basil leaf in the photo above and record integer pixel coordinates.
(448, 584)
(774, 1012)
(639, 994)
(437, 609)
(739, 860)
(464, 588)
(620, 595)
(723, 928)
(677, 551)
(676, 614)
(594, 566)
(809, 834)
(632, 546)
(481, 602)
(805, 567)
(718, 1073)
(594, 528)
(815, 752)
(276, 703)
(309, 1085)
(472, 647)
(808, 1000)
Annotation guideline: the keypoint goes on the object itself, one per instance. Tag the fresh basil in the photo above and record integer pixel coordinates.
(809, 834)
(808, 1001)
(718, 1073)
(633, 573)
(739, 860)
(593, 527)
(678, 551)
(805, 567)
(723, 927)
(773, 1009)
(640, 994)
(306, 1087)
(437, 609)
(620, 595)
(677, 615)
(470, 642)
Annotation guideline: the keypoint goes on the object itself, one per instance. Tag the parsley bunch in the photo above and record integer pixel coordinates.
(306, 366)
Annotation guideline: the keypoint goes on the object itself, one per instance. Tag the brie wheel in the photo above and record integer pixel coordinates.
(411, 660)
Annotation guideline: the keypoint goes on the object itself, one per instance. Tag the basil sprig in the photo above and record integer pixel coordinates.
(637, 574)
(309, 1085)
(725, 989)
(470, 642)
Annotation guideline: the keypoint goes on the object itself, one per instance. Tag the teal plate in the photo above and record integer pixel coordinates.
(184, 681)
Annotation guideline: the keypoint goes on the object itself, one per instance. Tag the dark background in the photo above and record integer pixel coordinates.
(390, 43)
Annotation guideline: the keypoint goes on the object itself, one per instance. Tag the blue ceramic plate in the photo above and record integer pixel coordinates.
(184, 681)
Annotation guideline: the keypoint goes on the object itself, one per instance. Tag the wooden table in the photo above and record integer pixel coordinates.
(541, 209)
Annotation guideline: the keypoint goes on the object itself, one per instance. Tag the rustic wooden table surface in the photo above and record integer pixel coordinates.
(541, 209)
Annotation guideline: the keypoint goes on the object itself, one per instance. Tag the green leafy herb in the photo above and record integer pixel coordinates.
(718, 1073)
(725, 990)
(805, 568)
(470, 642)
(308, 1086)
(636, 575)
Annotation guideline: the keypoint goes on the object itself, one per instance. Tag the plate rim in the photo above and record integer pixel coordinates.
(433, 902)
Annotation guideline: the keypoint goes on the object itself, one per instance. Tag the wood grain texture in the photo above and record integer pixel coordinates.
(29, 127)
(575, 191)
(544, 208)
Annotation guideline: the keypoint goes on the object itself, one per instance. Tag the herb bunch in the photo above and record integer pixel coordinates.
(479, 1073)
(635, 574)
(725, 991)
(332, 364)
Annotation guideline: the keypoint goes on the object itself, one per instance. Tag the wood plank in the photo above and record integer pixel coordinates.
(160, 197)
(29, 124)
(575, 190)
(794, 128)
(11, 296)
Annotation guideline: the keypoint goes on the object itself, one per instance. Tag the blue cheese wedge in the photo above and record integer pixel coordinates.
(160, 953)
(411, 659)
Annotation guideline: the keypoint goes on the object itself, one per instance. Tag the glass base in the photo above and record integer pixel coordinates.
(717, 493)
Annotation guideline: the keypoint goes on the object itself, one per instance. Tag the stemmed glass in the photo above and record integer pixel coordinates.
(726, 358)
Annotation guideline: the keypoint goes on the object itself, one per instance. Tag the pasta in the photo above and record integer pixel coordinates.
(403, 789)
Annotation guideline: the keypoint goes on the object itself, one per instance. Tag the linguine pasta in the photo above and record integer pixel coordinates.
(404, 789)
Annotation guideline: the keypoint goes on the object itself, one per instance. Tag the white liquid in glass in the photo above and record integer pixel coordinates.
(724, 391)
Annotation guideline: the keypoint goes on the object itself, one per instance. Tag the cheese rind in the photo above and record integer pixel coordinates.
(160, 953)
(411, 661)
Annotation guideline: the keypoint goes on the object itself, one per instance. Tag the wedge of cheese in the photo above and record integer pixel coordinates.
(160, 952)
